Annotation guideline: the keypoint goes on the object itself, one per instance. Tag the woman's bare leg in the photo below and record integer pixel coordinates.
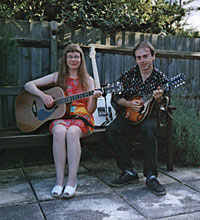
(73, 153)
(59, 152)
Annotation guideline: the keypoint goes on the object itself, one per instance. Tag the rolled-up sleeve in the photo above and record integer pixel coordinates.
(118, 95)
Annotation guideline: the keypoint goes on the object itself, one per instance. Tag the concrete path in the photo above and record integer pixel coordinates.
(25, 195)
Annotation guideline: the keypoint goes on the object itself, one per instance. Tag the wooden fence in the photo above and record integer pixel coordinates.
(40, 46)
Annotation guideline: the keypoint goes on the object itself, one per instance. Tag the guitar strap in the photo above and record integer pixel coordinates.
(81, 118)
(106, 112)
(164, 108)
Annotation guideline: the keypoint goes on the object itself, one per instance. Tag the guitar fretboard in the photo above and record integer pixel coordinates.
(69, 99)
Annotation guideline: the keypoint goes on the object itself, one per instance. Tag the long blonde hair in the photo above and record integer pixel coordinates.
(63, 73)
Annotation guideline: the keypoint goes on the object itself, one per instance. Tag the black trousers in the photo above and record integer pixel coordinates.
(117, 133)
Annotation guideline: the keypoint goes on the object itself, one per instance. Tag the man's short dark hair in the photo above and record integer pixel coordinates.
(144, 44)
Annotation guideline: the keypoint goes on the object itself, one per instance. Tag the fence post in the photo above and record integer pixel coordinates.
(53, 46)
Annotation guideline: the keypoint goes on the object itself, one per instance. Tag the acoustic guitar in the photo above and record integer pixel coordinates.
(148, 101)
(31, 112)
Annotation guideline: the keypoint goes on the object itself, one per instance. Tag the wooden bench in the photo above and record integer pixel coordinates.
(14, 138)
(11, 137)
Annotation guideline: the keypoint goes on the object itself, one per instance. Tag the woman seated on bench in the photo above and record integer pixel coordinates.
(73, 78)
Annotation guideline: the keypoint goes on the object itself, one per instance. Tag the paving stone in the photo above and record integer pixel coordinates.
(87, 184)
(184, 173)
(106, 170)
(190, 216)
(179, 199)
(21, 212)
(93, 207)
(107, 165)
(108, 176)
(46, 171)
(195, 184)
(14, 188)
(11, 175)
(95, 199)
(42, 187)
(15, 193)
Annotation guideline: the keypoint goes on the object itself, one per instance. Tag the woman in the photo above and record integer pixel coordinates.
(72, 78)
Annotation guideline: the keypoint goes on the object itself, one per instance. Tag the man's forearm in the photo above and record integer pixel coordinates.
(123, 102)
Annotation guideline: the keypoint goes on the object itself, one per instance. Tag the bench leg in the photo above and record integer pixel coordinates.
(169, 145)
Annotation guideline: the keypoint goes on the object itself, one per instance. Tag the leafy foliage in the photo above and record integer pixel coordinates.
(158, 17)
(186, 133)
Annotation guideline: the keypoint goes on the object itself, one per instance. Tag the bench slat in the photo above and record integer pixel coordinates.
(17, 139)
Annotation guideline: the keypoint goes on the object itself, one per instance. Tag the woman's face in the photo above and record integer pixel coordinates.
(73, 60)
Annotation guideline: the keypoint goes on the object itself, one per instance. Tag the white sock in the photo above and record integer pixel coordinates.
(129, 172)
(152, 177)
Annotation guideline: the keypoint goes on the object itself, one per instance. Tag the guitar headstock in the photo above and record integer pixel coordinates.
(92, 52)
(113, 87)
(178, 80)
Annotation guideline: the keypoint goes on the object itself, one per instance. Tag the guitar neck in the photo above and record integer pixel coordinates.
(69, 99)
(164, 86)
(95, 72)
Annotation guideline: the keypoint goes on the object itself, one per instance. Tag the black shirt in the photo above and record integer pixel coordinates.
(133, 85)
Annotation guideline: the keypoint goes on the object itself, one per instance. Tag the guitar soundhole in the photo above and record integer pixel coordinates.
(34, 108)
(141, 109)
(50, 108)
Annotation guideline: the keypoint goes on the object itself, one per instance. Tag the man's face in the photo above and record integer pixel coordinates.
(144, 59)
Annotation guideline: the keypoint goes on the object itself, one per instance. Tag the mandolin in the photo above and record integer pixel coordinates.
(148, 101)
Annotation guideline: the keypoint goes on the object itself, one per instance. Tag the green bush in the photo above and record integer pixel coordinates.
(158, 17)
(186, 133)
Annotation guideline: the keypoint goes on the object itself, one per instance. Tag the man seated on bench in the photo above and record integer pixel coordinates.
(135, 113)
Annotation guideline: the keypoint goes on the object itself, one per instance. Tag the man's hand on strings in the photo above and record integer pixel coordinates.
(158, 94)
(135, 105)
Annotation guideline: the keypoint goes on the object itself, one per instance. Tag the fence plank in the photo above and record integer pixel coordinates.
(24, 67)
(45, 61)
(53, 46)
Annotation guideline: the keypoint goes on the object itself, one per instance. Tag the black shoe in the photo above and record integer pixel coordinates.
(155, 187)
(125, 178)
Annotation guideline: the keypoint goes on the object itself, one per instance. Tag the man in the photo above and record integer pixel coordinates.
(141, 79)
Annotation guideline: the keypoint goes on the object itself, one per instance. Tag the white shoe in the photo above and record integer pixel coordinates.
(69, 192)
(57, 191)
